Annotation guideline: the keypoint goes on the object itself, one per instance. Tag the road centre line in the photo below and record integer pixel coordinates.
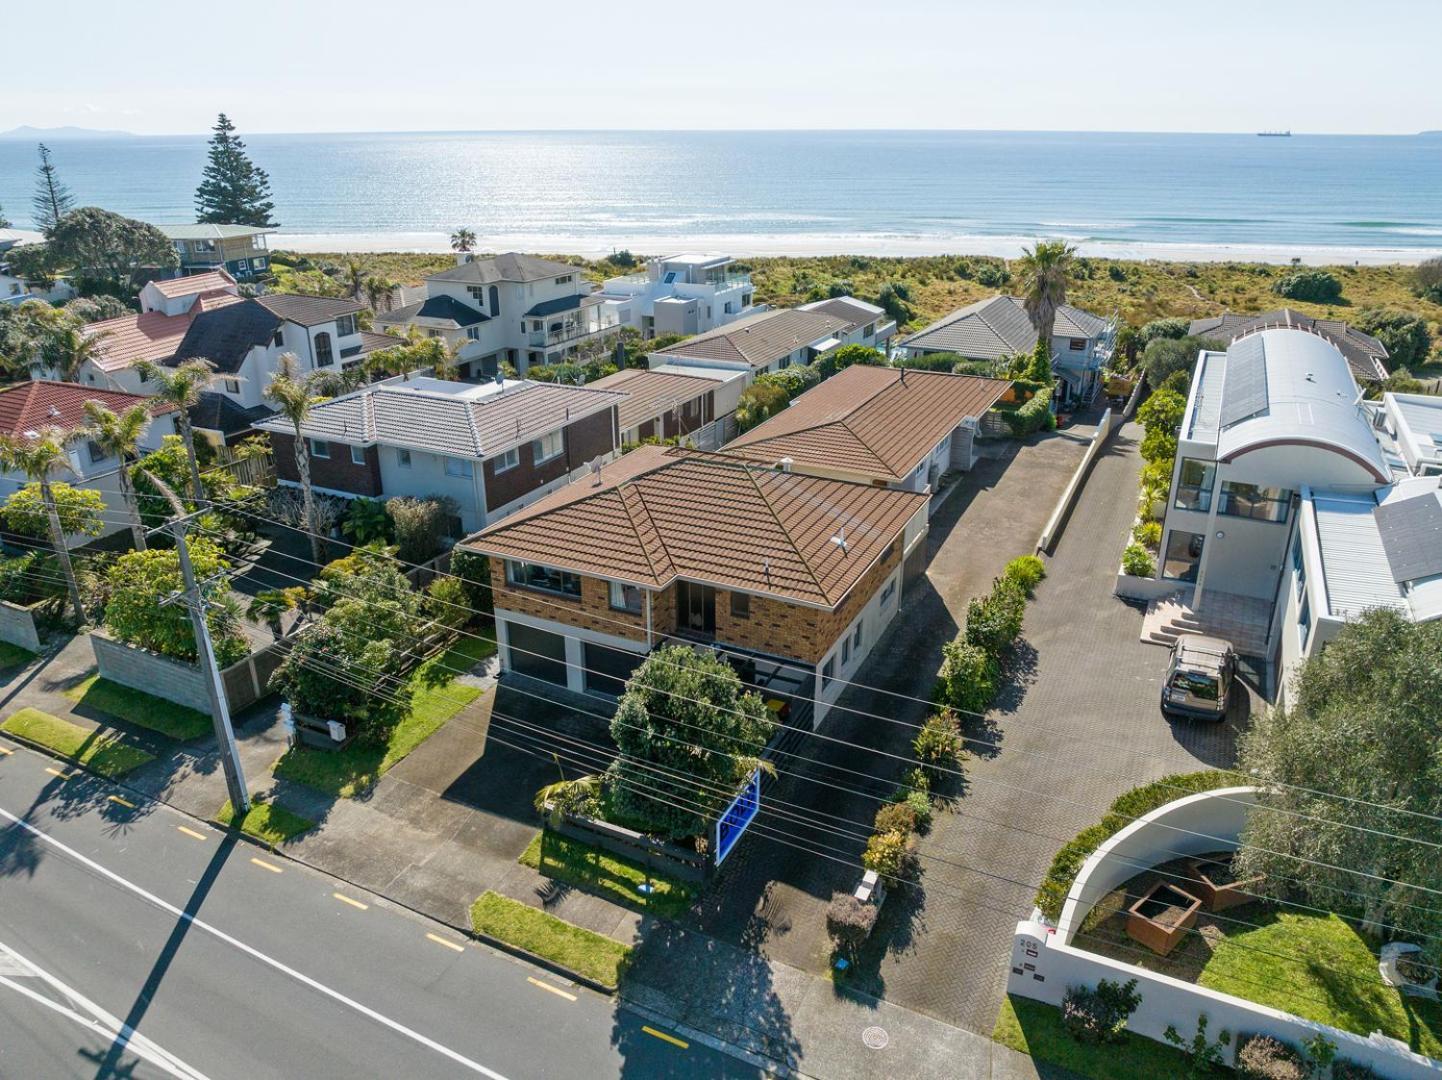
(192, 833)
(266, 866)
(121, 802)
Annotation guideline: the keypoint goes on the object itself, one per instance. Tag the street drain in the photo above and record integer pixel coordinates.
(876, 1038)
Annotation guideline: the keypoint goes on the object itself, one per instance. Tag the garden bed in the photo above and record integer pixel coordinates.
(1035, 1028)
(596, 957)
(577, 863)
(265, 821)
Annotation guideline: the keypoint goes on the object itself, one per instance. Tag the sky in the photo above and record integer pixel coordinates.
(1083, 65)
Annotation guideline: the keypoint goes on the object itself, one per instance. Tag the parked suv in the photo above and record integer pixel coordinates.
(1199, 678)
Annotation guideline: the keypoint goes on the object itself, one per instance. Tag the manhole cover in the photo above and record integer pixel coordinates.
(876, 1038)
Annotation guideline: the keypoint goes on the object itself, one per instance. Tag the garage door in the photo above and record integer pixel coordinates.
(608, 669)
(541, 654)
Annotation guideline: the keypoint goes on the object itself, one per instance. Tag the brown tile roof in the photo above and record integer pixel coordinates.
(660, 514)
(152, 336)
(650, 394)
(195, 283)
(869, 420)
(759, 340)
(31, 406)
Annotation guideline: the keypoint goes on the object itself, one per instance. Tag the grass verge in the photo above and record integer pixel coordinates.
(266, 822)
(98, 752)
(14, 655)
(587, 953)
(587, 867)
(139, 708)
(435, 697)
(1035, 1028)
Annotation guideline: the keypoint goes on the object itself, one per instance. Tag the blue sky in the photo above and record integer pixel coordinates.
(368, 65)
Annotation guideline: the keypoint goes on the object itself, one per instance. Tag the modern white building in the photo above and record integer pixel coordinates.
(681, 294)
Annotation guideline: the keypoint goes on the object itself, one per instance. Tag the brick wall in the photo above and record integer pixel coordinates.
(337, 472)
(591, 610)
(587, 438)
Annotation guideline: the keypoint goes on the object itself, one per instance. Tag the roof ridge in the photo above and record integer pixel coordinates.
(471, 423)
(983, 320)
(626, 499)
(820, 589)
(846, 423)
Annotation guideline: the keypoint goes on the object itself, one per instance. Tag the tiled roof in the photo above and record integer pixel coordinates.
(129, 339)
(1366, 356)
(31, 406)
(649, 394)
(511, 266)
(217, 412)
(661, 514)
(308, 310)
(869, 420)
(759, 340)
(456, 419)
(226, 335)
(855, 312)
(195, 283)
(997, 327)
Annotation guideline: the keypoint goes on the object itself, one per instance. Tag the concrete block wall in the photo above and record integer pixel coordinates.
(17, 626)
(150, 672)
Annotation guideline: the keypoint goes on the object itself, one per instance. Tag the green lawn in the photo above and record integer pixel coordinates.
(1332, 980)
(435, 698)
(266, 821)
(139, 708)
(611, 876)
(590, 954)
(1035, 1028)
(100, 753)
(14, 655)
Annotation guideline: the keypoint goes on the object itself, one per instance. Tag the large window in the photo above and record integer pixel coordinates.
(459, 467)
(1184, 555)
(345, 326)
(626, 597)
(1251, 501)
(548, 446)
(509, 460)
(545, 578)
(324, 354)
(1194, 484)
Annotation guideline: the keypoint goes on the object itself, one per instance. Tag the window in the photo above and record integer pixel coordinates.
(888, 593)
(478, 293)
(548, 446)
(856, 636)
(242, 265)
(473, 333)
(345, 326)
(1077, 344)
(1304, 621)
(1299, 565)
(358, 455)
(1194, 485)
(846, 651)
(433, 333)
(97, 452)
(259, 262)
(565, 279)
(534, 576)
(888, 553)
(740, 605)
(509, 460)
(319, 449)
(870, 330)
(1257, 503)
(626, 597)
(277, 339)
(459, 467)
(828, 672)
(324, 354)
(403, 458)
(232, 386)
(495, 295)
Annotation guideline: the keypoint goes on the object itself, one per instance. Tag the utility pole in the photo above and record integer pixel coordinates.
(205, 657)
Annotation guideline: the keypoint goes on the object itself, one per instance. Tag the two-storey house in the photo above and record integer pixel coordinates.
(240, 250)
(682, 294)
(493, 447)
(793, 578)
(764, 342)
(688, 405)
(866, 323)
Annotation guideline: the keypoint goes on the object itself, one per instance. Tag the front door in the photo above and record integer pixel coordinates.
(697, 608)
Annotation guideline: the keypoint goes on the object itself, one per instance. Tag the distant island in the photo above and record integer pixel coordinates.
(57, 134)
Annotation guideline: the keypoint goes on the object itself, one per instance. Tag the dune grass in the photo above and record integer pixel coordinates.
(139, 708)
(572, 947)
(589, 868)
(96, 751)
(266, 822)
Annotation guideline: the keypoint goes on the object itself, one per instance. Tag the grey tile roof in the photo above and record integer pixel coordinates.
(562, 303)
(308, 310)
(442, 311)
(226, 335)
(217, 412)
(759, 340)
(855, 312)
(511, 266)
(1366, 356)
(997, 327)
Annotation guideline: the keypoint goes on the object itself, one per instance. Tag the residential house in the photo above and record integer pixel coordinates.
(240, 250)
(885, 426)
(876, 328)
(15, 289)
(681, 294)
(493, 447)
(677, 404)
(1000, 327)
(764, 342)
(1366, 356)
(511, 308)
(27, 408)
(793, 578)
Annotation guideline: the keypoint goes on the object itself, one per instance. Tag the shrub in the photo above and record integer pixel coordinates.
(1261, 1057)
(474, 570)
(1137, 561)
(1178, 382)
(920, 804)
(1027, 571)
(421, 525)
(849, 356)
(31, 576)
(940, 361)
(1163, 356)
(81, 511)
(992, 273)
(1162, 411)
(1427, 279)
(1148, 534)
(1099, 1016)
(139, 579)
(448, 603)
(993, 622)
(758, 403)
(889, 855)
(1310, 286)
(896, 817)
(938, 744)
(1116, 272)
(1405, 335)
(849, 923)
(1173, 329)
(366, 521)
(967, 681)
(1034, 416)
(1158, 444)
(1353, 1070)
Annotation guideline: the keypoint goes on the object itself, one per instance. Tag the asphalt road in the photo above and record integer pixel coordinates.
(138, 942)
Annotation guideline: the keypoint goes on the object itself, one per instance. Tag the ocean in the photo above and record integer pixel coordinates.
(1314, 197)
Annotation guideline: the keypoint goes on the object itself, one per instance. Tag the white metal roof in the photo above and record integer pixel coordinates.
(1416, 420)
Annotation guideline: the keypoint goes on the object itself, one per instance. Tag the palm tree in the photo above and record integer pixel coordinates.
(379, 290)
(66, 347)
(41, 459)
(182, 386)
(355, 278)
(1045, 270)
(463, 240)
(119, 434)
(292, 397)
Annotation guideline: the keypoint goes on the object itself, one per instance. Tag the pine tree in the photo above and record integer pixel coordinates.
(232, 190)
(52, 198)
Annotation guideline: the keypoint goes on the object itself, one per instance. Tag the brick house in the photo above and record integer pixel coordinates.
(793, 577)
(493, 447)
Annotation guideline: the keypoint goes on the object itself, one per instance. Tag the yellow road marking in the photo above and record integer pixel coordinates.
(266, 866)
(192, 833)
(448, 944)
(682, 1043)
(57, 772)
(353, 903)
(6, 751)
(121, 802)
(552, 989)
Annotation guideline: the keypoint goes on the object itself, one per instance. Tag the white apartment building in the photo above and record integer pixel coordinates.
(681, 294)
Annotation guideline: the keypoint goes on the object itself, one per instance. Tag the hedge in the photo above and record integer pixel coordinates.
(1034, 416)
(1125, 809)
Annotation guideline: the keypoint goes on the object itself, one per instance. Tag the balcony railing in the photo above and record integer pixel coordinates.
(570, 333)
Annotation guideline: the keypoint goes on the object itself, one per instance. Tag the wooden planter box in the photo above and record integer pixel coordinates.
(1162, 917)
(1213, 883)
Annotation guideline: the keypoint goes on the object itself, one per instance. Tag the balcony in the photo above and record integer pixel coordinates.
(571, 332)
